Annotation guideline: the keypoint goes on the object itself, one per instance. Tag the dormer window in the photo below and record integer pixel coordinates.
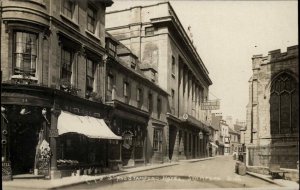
(133, 62)
(25, 53)
(152, 76)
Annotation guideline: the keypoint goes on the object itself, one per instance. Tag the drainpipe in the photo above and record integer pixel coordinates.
(0, 34)
(251, 137)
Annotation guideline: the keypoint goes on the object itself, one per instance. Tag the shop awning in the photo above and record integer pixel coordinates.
(85, 125)
(213, 144)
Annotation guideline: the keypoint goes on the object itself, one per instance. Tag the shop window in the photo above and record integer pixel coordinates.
(110, 83)
(149, 31)
(284, 105)
(90, 73)
(66, 65)
(91, 18)
(25, 53)
(157, 140)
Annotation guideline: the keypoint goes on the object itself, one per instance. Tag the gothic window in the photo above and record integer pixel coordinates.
(284, 105)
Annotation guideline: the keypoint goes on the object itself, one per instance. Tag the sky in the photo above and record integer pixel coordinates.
(227, 34)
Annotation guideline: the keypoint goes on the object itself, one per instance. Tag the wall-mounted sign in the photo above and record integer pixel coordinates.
(210, 105)
(127, 139)
(6, 171)
(185, 116)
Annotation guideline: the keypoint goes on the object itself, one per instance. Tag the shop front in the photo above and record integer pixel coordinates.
(131, 125)
(47, 132)
(196, 137)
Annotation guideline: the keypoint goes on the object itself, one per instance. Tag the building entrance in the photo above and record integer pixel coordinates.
(23, 142)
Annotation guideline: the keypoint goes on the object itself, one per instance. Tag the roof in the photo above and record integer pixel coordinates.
(232, 131)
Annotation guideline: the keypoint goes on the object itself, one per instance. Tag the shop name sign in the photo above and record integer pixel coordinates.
(210, 105)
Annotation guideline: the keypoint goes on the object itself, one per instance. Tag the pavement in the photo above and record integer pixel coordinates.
(279, 182)
(85, 179)
(75, 180)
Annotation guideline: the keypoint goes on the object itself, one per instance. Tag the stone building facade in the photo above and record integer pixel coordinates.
(53, 68)
(273, 109)
(169, 59)
(139, 108)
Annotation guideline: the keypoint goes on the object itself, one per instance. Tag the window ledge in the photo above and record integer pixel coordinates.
(25, 78)
(69, 20)
(93, 36)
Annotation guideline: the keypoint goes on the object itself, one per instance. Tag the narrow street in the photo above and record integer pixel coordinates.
(215, 173)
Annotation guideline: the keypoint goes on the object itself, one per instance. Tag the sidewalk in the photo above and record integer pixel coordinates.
(197, 160)
(75, 180)
(279, 182)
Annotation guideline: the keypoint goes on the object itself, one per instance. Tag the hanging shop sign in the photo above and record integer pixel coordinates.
(127, 139)
(210, 105)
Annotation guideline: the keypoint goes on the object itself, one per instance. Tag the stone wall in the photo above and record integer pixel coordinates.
(265, 69)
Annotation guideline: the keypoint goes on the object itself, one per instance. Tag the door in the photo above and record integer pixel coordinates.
(23, 142)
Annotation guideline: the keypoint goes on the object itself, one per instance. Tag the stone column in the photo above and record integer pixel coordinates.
(188, 145)
(180, 91)
(190, 93)
(185, 90)
(196, 101)
(54, 173)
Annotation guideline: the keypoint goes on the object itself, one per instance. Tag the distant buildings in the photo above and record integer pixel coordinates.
(226, 138)
(272, 134)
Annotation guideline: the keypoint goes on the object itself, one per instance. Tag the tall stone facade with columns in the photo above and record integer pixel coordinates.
(273, 109)
(169, 59)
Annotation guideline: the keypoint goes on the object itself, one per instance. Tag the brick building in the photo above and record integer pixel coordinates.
(168, 58)
(273, 110)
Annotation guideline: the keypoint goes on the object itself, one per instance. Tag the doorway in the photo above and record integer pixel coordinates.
(23, 142)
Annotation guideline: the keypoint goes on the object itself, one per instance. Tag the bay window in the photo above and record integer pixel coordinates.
(25, 53)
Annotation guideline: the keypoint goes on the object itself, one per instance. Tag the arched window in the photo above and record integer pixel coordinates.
(284, 105)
